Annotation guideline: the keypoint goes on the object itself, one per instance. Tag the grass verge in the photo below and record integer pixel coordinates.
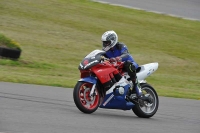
(7, 42)
(56, 34)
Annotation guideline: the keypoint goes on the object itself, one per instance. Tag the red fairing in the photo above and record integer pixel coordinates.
(104, 71)
(84, 73)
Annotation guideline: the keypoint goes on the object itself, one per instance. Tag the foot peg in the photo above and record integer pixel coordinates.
(142, 97)
(133, 96)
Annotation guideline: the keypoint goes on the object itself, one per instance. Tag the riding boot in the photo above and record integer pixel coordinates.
(137, 87)
(138, 92)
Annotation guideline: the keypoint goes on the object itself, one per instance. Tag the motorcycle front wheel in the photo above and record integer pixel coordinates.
(145, 109)
(84, 102)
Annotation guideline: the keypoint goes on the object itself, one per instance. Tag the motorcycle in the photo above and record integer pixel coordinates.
(106, 85)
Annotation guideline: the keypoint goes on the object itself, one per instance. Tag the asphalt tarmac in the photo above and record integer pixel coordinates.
(43, 109)
(189, 9)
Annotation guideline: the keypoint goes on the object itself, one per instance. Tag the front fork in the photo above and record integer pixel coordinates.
(92, 90)
(92, 80)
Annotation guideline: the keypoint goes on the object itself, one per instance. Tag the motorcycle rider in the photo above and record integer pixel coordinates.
(117, 51)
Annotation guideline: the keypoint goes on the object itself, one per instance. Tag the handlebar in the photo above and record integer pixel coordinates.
(103, 58)
(115, 64)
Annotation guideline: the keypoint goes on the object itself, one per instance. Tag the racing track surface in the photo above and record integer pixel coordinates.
(189, 9)
(43, 109)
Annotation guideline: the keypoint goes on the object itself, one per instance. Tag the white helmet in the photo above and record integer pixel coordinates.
(109, 40)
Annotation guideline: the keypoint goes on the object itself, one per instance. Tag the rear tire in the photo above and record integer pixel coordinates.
(84, 102)
(144, 109)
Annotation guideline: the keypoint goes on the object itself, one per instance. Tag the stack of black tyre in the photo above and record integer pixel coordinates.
(10, 53)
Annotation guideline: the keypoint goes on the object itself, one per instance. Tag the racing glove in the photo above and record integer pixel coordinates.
(116, 59)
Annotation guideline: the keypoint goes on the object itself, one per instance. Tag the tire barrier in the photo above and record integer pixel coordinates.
(10, 53)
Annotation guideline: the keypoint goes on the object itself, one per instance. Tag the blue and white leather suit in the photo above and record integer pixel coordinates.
(120, 50)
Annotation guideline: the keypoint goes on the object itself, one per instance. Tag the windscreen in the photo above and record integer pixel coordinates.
(91, 59)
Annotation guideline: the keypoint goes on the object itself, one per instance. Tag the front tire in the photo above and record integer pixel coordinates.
(145, 109)
(84, 102)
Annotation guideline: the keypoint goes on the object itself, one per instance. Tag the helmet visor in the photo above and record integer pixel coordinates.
(106, 43)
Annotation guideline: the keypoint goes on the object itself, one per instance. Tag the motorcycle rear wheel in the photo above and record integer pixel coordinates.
(144, 109)
(84, 102)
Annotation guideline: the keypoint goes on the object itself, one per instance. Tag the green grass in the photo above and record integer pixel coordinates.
(9, 43)
(56, 34)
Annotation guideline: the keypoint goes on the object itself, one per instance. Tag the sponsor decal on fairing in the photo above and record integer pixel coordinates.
(90, 63)
(108, 100)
